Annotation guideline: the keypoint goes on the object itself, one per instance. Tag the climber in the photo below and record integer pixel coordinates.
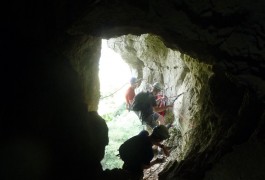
(161, 101)
(130, 92)
(145, 102)
(137, 152)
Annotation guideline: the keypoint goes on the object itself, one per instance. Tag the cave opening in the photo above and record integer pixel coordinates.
(114, 77)
(149, 59)
(48, 47)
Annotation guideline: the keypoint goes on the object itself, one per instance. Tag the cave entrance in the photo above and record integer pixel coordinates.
(114, 77)
(150, 60)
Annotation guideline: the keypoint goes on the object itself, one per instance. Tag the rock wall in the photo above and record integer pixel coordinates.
(177, 72)
(46, 130)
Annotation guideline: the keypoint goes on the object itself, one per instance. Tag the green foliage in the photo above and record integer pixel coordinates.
(121, 128)
(113, 115)
(111, 160)
(120, 110)
(108, 116)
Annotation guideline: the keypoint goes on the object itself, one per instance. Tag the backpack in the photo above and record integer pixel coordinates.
(140, 101)
(127, 150)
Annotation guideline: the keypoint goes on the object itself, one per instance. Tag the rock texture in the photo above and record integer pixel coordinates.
(49, 55)
(196, 113)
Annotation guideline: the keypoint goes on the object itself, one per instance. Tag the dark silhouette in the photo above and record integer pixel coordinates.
(137, 152)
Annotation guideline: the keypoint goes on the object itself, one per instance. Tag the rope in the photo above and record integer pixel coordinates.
(165, 97)
(114, 91)
(118, 89)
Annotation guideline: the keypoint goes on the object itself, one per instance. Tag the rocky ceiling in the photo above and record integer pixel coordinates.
(49, 55)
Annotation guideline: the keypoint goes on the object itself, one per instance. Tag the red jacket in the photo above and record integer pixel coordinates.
(129, 95)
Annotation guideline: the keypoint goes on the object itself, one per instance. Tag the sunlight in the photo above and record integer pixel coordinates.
(114, 76)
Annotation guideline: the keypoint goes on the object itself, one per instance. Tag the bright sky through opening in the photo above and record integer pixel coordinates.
(114, 77)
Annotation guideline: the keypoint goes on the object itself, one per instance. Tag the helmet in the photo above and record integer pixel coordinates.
(133, 80)
(160, 132)
(157, 86)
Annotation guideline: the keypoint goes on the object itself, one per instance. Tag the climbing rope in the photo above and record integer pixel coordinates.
(162, 98)
(114, 92)
(117, 90)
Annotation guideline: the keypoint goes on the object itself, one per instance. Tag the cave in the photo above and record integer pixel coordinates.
(50, 52)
